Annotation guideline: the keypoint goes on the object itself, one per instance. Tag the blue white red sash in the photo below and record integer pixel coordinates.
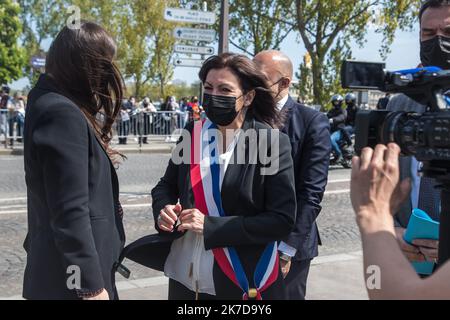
(205, 180)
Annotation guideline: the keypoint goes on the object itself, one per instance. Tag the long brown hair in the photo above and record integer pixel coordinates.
(263, 107)
(80, 61)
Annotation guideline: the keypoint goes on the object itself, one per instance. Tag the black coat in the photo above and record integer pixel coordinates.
(309, 133)
(339, 116)
(351, 115)
(259, 209)
(73, 201)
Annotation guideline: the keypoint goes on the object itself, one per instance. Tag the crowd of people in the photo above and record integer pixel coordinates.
(235, 211)
(143, 118)
(12, 115)
(139, 119)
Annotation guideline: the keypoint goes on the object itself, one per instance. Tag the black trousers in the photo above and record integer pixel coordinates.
(296, 279)
(177, 291)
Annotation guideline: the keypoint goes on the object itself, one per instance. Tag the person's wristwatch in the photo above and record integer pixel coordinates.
(285, 257)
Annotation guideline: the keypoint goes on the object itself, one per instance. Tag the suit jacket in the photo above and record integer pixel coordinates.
(339, 116)
(259, 209)
(401, 102)
(309, 134)
(73, 201)
(401, 218)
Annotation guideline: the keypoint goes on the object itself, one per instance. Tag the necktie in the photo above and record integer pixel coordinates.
(430, 198)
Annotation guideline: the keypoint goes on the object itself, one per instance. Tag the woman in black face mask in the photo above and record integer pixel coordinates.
(219, 217)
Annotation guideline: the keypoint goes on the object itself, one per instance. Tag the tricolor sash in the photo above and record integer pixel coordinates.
(206, 186)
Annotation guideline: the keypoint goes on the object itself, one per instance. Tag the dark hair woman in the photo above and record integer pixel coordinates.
(219, 216)
(75, 232)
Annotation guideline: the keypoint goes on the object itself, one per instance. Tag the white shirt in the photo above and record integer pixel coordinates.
(282, 103)
(188, 261)
(415, 182)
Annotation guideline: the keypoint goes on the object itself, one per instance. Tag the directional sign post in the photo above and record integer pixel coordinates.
(37, 62)
(204, 35)
(189, 16)
(183, 62)
(193, 49)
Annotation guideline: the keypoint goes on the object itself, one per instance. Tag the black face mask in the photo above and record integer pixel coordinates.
(221, 110)
(436, 52)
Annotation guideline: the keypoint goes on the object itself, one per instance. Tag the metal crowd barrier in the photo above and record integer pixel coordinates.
(146, 124)
(11, 127)
(141, 125)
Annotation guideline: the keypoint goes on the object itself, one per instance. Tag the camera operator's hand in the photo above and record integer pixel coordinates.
(375, 187)
(375, 181)
(412, 253)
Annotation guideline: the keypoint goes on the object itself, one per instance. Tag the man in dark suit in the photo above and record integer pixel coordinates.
(309, 133)
(423, 195)
(433, 18)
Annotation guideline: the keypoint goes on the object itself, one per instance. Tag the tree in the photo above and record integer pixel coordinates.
(147, 44)
(12, 58)
(106, 13)
(41, 20)
(332, 72)
(161, 68)
(254, 27)
(144, 38)
(254, 24)
(327, 29)
(305, 86)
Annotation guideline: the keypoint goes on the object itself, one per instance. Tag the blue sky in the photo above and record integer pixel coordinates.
(404, 54)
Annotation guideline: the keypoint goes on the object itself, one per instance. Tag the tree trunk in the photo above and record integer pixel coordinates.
(317, 74)
(137, 89)
(161, 88)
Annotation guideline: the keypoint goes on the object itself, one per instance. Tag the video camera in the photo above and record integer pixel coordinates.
(425, 136)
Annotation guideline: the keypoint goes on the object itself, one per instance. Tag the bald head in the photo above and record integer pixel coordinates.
(279, 70)
(276, 60)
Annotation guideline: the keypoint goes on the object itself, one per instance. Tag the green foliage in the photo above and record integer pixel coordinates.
(145, 42)
(328, 27)
(255, 26)
(12, 56)
(41, 20)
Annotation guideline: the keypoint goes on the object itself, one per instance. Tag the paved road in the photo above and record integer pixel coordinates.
(137, 176)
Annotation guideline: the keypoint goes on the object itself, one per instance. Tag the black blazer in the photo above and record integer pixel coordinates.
(309, 133)
(73, 200)
(339, 116)
(259, 208)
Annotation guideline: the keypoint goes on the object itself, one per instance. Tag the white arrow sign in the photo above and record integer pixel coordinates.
(182, 62)
(193, 49)
(191, 34)
(37, 62)
(189, 16)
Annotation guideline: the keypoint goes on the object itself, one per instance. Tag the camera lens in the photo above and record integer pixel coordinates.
(403, 129)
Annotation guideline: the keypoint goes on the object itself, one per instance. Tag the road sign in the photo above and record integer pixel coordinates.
(189, 16)
(37, 62)
(191, 34)
(193, 49)
(182, 62)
